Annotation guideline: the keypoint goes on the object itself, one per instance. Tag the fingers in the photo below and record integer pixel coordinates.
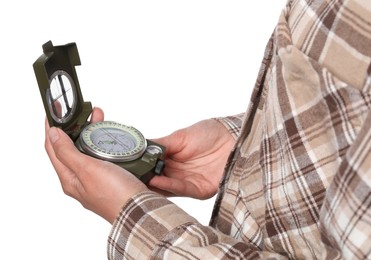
(71, 166)
(174, 142)
(65, 158)
(64, 174)
(163, 192)
(174, 186)
(97, 115)
(166, 184)
(60, 154)
(67, 161)
(66, 153)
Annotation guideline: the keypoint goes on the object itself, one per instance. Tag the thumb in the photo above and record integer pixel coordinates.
(63, 149)
(173, 142)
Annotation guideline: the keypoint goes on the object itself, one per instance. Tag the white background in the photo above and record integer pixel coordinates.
(156, 65)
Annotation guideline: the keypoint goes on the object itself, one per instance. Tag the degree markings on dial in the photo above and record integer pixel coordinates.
(113, 141)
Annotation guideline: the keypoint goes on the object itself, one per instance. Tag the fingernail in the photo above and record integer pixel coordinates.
(53, 134)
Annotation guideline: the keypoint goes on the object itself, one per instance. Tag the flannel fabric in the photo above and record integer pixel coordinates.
(297, 184)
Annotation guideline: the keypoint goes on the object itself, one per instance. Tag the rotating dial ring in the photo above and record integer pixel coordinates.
(112, 141)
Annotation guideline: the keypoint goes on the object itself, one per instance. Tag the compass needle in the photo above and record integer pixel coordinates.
(116, 139)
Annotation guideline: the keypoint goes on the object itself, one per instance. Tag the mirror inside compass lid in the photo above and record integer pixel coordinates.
(59, 88)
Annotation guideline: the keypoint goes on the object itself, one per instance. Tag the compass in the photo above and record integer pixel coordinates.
(65, 108)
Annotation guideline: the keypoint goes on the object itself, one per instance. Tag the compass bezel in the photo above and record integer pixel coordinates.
(91, 148)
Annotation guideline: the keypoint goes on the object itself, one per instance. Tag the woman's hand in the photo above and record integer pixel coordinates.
(195, 160)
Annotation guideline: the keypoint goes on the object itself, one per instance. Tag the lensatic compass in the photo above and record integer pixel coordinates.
(65, 108)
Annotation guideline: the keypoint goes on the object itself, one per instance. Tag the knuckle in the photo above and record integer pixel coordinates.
(58, 152)
(67, 190)
(62, 152)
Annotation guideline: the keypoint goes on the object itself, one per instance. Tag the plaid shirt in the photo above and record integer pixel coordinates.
(297, 184)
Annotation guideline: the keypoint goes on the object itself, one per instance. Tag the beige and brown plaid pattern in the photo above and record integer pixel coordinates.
(297, 184)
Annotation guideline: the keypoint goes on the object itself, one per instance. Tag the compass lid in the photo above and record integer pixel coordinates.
(59, 88)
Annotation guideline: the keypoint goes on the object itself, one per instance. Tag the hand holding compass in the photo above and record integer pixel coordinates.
(100, 187)
(65, 108)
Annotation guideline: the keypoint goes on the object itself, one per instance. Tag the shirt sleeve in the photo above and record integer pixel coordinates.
(232, 123)
(152, 227)
(346, 212)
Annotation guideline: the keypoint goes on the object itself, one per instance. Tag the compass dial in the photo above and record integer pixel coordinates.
(113, 141)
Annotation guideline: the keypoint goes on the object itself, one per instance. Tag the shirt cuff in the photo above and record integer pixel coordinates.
(143, 222)
(232, 123)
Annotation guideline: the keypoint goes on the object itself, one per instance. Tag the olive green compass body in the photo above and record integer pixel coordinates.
(65, 108)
